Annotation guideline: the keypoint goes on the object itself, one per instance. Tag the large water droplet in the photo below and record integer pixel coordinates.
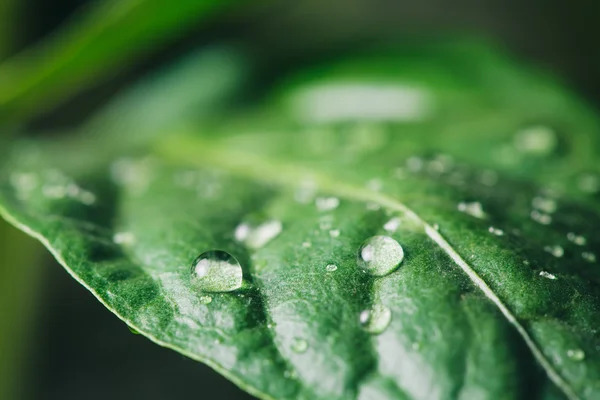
(217, 271)
(299, 345)
(375, 320)
(256, 235)
(380, 255)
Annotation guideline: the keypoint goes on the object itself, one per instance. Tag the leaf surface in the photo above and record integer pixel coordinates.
(484, 172)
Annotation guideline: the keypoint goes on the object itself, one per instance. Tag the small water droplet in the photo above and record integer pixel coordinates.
(577, 239)
(373, 206)
(589, 183)
(306, 244)
(217, 271)
(576, 354)
(495, 231)
(536, 140)
(331, 267)
(540, 217)
(547, 275)
(392, 225)
(124, 238)
(436, 227)
(474, 209)
(299, 345)
(334, 233)
(24, 181)
(544, 204)
(488, 177)
(556, 251)
(414, 164)
(380, 255)
(589, 257)
(375, 320)
(306, 192)
(327, 203)
(256, 235)
(375, 185)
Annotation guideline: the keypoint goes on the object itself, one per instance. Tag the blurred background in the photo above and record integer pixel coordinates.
(56, 340)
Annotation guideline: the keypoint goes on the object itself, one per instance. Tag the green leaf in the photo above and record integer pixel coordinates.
(94, 45)
(485, 173)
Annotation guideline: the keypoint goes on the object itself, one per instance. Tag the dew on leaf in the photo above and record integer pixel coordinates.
(327, 203)
(488, 177)
(299, 345)
(124, 238)
(306, 192)
(474, 209)
(216, 271)
(414, 164)
(334, 233)
(576, 354)
(380, 255)
(589, 257)
(556, 251)
(257, 235)
(331, 267)
(589, 183)
(376, 319)
(392, 225)
(540, 217)
(547, 275)
(495, 231)
(536, 140)
(205, 299)
(306, 244)
(375, 185)
(544, 204)
(577, 239)
(24, 181)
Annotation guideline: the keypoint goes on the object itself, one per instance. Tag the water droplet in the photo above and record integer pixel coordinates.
(556, 251)
(589, 257)
(53, 191)
(205, 299)
(217, 271)
(373, 206)
(299, 345)
(577, 239)
(334, 232)
(540, 217)
(375, 320)
(488, 177)
(436, 227)
(380, 255)
(544, 204)
(536, 140)
(589, 183)
(24, 181)
(306, 192)
(576, 354)
(474, 209)
(495, 231)
(414, 164)
(256, 235)
(375, 185)
(327, 203)
(392, 225)
(306, 244)
(331, 267)
(547, 275)
(124, 238)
